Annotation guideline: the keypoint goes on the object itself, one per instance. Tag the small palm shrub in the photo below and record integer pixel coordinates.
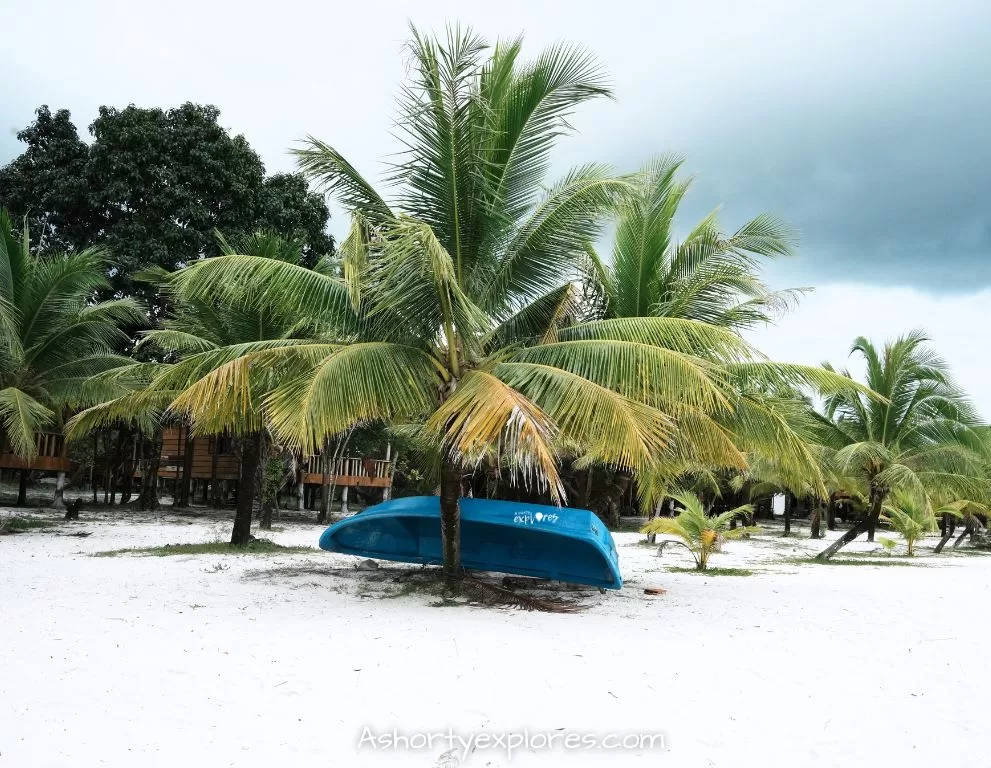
(700, 533)
(912, 518)
(888, 544)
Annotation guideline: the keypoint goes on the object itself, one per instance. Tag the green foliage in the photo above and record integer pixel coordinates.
(923, 440)
(910, 517)
(700, 533)
(151, 189)
(713, 571)
(22, 524)
(709, 276)
(54, 341)
(48, 183)
(456, 307)
(273, 479)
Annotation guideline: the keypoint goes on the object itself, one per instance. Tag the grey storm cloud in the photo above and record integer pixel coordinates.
(864, 124)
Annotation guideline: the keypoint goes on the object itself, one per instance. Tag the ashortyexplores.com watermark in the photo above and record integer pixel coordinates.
(508, 742)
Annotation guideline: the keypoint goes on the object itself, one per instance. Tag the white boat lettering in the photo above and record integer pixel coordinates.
(529, 518)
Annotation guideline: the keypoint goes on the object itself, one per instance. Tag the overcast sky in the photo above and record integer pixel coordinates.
(867, 125)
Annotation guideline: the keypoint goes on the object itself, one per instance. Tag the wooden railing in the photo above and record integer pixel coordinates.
(48, 456)
(348, 470)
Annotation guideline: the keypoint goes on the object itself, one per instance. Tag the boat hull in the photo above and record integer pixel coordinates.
(560, 543)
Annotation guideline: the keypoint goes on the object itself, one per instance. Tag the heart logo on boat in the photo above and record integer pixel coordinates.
(539, 516)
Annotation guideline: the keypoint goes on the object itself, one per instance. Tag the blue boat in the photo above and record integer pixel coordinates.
(559, 543)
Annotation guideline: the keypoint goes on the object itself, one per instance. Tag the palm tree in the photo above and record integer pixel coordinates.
(713, 277)
(709, 276)
(458, 306)
(970, 512)
(205, 336)
(923, 438)
(911, 517)
(458, 310)
(697, 531)
(54, 338)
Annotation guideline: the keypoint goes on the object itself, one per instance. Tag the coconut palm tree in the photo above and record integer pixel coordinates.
(712, 277)
(54, 337)
(697, 531)
(204, 336)
(708, 276)
(973, 515)
(458, 306)
(923, 438)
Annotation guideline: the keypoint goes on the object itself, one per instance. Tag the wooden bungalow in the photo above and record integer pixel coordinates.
(49, 457)
(208, 462)
(211, 460)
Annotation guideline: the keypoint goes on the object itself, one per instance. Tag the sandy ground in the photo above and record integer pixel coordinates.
(292, 659)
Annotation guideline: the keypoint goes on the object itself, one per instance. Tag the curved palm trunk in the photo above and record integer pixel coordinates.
(949, 526)
(967, 531)
(450, 518)
(874, 512)
(250, 454)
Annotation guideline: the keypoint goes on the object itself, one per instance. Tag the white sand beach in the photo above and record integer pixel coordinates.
(259, 660)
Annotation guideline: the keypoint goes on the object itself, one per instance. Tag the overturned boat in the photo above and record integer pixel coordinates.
(560, 543)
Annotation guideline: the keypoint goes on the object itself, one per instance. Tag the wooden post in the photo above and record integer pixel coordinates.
(186, 483)
(387, 491)
(325, 470)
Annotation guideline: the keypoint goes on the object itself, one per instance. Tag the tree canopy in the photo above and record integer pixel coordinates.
(152, 189)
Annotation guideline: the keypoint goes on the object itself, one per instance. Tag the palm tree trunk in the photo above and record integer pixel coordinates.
(613, 498)
(874, 513)
(788, 510)
(150, 463)
(816, 524)
(831, 514)
(22, 488)
(949, 526)
(968, 529)
(846, 538)
(450, 518)
(877, 499)
(250, 453)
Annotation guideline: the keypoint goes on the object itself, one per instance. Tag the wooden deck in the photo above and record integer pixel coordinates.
(346, 471)
(49, 457)
(360, 473)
